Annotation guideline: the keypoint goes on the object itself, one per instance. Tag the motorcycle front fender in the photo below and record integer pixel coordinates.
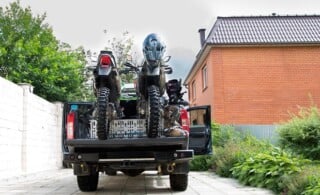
(153, 71)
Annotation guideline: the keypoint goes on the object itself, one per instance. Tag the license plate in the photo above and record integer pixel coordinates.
(127, 128)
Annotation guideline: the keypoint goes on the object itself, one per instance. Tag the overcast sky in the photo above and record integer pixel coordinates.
(81, 22)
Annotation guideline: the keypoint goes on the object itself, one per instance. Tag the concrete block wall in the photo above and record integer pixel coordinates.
(11, 127)
(30, 131)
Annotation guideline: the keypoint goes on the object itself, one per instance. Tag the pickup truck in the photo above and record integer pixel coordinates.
(128, 149)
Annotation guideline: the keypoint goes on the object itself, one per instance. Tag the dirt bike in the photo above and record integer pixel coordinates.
(175, 105)
(150, 87)
(151, 83)
(173, 89)
(107, 91)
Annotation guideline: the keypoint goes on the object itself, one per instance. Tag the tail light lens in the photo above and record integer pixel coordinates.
(105, 61)
(70, 125)
(184, 120)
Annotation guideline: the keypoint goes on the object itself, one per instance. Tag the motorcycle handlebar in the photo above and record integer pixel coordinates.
(131, 66)
(167, 68)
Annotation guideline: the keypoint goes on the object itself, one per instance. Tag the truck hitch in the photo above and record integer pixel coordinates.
(170, 167)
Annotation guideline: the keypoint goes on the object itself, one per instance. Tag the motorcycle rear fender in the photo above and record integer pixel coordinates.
(104, 71)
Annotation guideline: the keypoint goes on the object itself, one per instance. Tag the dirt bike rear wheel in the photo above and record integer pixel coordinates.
(103, 123)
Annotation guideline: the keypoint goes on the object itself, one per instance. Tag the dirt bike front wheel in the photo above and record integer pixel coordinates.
(153, 111)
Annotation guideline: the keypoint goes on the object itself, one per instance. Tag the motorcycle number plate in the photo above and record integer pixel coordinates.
(104, 71)
(127, 128)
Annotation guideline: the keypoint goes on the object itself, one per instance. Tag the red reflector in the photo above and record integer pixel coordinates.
(105, 60)
(184, 120)
(70, 125)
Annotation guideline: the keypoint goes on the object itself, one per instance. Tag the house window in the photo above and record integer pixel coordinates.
(193, 90)
(204, 77)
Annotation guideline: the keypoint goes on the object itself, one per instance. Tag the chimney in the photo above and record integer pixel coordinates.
(202, 33)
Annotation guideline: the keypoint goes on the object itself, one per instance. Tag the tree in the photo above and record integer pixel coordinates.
(30, 53)
(122, 48)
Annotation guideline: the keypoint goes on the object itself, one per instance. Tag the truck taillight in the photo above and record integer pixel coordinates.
(184, 120)
(70, 125)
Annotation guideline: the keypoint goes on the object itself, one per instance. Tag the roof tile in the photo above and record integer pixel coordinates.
(265, 30)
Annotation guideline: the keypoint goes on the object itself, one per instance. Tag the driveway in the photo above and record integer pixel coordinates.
(64, 182)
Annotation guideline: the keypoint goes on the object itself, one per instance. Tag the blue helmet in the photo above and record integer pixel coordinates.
(153, 48)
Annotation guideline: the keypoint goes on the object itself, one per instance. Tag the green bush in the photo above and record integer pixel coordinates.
(225, 158)
(225, 151)
(313, 188)
(221, 134)
(301, 133)
(297, 183)
(258, 163)
(236, 150)
(201, 163)
(266, 169)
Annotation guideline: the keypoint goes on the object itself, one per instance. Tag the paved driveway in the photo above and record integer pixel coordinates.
(64, 182)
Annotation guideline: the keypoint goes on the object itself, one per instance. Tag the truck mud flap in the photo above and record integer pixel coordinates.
(83, 169)
(181, 168)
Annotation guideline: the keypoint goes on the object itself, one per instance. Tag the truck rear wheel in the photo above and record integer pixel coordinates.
(153, 111)
(88, 183)
(178, 182)
(103, 123)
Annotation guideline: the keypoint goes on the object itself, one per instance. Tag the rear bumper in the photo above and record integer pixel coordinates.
(157, 150)
(150, 157)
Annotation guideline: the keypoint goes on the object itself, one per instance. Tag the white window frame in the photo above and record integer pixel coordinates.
(193, 87)
(204, 77)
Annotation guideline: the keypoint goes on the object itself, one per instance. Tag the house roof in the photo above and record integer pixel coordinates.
(266, 30)
(259, 30)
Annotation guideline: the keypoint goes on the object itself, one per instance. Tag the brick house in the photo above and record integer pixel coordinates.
(253, 70)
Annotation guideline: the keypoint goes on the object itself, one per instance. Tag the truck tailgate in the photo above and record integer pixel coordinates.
(134, 149)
